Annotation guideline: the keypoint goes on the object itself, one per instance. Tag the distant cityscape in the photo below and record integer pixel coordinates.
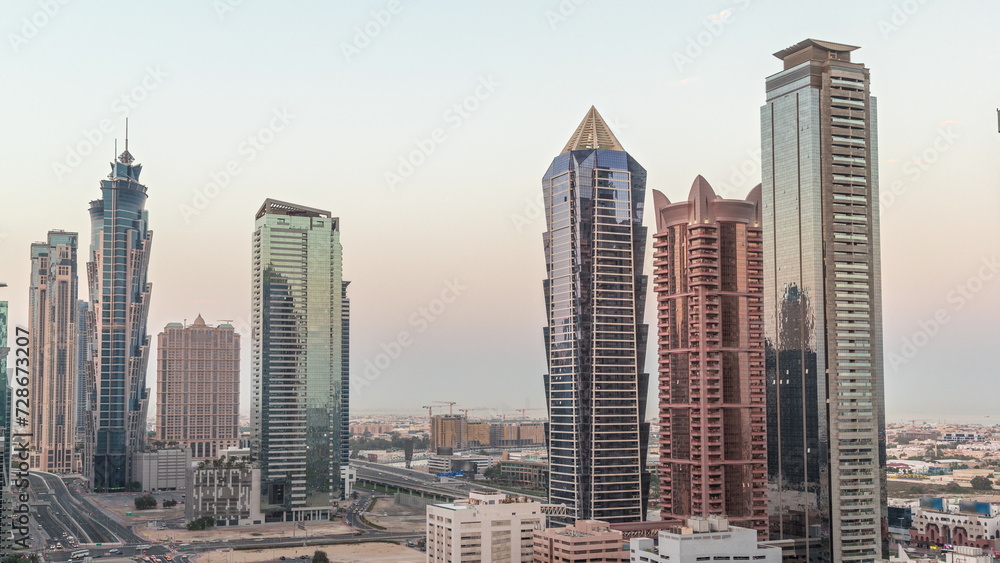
(768, 440)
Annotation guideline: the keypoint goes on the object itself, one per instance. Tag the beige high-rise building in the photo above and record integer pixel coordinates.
(52, 385)
(198, 387)
(449, 431)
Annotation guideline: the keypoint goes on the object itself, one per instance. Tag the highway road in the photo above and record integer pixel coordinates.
(63, 513)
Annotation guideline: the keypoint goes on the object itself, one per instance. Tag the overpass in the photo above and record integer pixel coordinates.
(417, 483)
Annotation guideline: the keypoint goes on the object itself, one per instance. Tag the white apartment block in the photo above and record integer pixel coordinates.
(488, 527)
(703, 539)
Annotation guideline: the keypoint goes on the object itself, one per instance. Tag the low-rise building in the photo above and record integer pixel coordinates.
(703, 539)
(488, 527)
(163, 470)
(524, 473)
(228, 492)
(452, 463)
(962, 437)
(587, 540)
(940, 521)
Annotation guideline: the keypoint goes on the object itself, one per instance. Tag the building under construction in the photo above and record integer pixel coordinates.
(457, 432)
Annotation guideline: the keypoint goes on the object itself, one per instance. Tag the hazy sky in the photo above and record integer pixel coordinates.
(323, 103)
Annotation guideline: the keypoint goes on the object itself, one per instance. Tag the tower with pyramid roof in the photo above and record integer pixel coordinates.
(595, 338)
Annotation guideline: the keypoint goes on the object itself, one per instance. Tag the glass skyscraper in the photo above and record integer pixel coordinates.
(595, 339)
(53, 310)
(823, 306)
(300, 359)
(119, 306)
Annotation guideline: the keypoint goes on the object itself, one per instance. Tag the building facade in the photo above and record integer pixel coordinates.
(119, 307)
(298, 361)
(487, 527)
(449, 431)
(703, 539)
(585, 541)
(162, 470)
(227, 492)
(198, 387)
(595, 339)
(708, 279)
(823, 305)
(83, 360)
(938, 522)
(523, 473)
(52, 313)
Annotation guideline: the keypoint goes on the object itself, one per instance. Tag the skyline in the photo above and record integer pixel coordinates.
(390, 230)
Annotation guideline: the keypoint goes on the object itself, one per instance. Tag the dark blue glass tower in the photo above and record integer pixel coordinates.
(595, 339)
(119, 306)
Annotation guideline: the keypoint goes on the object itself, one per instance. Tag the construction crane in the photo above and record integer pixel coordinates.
(467, 411)
(450, 404)
(430, 412)
(522, 411)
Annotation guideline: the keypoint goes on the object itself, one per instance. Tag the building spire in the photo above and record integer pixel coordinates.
(593, 133)
(125, 157)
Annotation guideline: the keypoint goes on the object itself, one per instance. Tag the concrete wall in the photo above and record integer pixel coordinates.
(411, 501)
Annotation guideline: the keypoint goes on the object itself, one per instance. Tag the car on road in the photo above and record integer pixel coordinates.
(114, 551)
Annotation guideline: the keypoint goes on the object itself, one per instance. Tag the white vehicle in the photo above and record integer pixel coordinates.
(80, 554)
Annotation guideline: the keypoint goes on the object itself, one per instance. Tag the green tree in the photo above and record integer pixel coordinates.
(492, 473)
(169, 503)
(953, 487)
(320, 557)
(202, 523)
(981, 483)
(145, 502)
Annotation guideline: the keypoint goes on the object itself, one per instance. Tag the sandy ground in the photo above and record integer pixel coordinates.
(285, 530)
(395, 517)
(122, 503)
(356, 553)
